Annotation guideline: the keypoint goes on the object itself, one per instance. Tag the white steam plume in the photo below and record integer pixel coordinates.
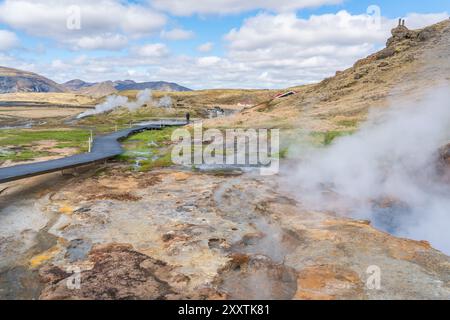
(142, 98)
(165, 102)
(391, 159)
(113, 102)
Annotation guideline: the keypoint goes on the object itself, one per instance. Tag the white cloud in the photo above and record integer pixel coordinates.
(105, 42)
(13, 61)
(208, 61)
(266, 51)
(8, 40)
(80, 60)
(177, 34)
(189, 7)
(266, 31)
(419, 20)
(283, 46)
(290, 50)
(59, 65)
(206, 47)
(137, 19)
(154, 50)
(106, 19)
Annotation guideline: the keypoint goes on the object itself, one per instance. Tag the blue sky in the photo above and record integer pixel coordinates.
(201, 43)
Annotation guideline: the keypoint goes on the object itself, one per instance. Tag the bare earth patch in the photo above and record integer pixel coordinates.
(40, 112)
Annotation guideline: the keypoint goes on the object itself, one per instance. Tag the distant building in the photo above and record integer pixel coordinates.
(285, 94)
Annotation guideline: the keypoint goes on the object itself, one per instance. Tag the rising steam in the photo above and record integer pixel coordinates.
(386, 172)
(165, 102)
(113, 102)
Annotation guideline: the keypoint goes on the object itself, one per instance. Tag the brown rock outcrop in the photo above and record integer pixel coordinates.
(328, 282)
(401, 33)
(119, 272)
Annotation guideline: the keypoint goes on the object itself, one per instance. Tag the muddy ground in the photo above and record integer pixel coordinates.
(172, 234)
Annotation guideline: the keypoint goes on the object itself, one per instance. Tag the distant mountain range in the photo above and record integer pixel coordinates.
(13, 80)
(109, 87)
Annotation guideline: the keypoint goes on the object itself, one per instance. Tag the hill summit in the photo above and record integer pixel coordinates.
(13, 80)
(101, 89)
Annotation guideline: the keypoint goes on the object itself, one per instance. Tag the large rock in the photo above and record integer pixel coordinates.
(402, 33)
(118, 272)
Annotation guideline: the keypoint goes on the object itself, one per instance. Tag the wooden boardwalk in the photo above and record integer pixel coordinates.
(103, 148)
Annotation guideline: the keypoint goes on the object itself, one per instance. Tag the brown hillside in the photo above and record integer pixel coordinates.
(99, 90)
(13, 80)
(412, 62)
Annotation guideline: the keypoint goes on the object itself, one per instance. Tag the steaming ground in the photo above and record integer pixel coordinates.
(387, 172)
(169, 234)
(143, 97)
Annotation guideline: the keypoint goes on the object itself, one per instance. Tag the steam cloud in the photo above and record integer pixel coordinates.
(165, 102)
(390, 160)
(113, 102)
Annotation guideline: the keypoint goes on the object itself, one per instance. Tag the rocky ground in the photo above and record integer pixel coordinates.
(171, 234)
